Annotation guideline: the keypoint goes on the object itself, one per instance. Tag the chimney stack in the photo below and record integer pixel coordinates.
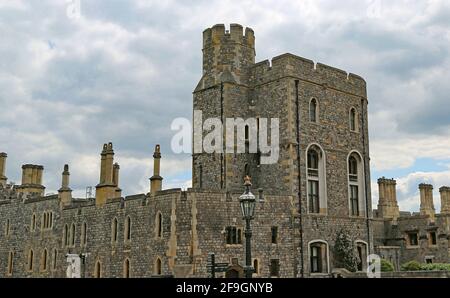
(106, 189)
(445, 199)
(116, 169)
(65, 193)
(387, 202)
(32, 179)
(3, 178)
(106, 171)
(426, 200)
(156, 179)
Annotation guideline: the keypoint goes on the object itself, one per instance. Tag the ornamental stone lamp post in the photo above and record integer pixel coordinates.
(247, 202)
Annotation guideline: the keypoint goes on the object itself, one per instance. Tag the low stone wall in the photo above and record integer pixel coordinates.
(416, 274)
(403, 274)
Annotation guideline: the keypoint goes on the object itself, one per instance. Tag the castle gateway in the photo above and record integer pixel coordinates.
(319, 187)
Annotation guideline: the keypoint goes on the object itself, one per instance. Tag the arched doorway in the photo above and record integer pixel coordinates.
(234, 271)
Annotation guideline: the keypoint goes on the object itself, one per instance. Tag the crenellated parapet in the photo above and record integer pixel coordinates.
(227, 55)
(289, 65)
(217, 35)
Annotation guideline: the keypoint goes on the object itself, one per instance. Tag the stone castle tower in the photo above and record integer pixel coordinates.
(320, 108)
(222, 92)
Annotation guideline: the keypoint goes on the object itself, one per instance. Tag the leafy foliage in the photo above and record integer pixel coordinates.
(344, 252)
(411, 266)
(416, 266)
(386, 266)
(436, 267)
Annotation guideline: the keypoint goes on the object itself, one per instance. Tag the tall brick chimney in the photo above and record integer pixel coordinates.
(387, 202)
(445, 199)
(106, 189)
(3, 178)
(156, 179)
(65, 193)
(426, 200)
(116, 169)
(32, 179)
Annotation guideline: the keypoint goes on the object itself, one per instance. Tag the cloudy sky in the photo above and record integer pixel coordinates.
(123, 70)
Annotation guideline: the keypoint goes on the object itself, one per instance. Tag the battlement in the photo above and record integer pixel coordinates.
(218, 34)
(292, 65)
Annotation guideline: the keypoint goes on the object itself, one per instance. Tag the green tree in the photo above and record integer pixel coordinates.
(344, 252)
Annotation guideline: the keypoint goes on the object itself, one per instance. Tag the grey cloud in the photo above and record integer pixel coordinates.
(84, 95)
(431, 116)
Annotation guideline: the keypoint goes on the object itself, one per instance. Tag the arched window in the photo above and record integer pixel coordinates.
(361, 249)
(114, 230)
(313, 163)
(44, 221)
(318, 255)
(159, 225)
(66, 235)
(353, 122)
(356, 185)
(55, 258)
(158, 266)
(50, 224)
(128, 229)
(44, 260)
(126, 268)
(30, 260)
(10, 262)
(313, 109)
(98, 270)
(33, 222)
(352, 168)
(316, 187)
(72, 235)
(84, 234)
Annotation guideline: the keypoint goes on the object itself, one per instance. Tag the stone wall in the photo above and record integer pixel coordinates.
(194, 225)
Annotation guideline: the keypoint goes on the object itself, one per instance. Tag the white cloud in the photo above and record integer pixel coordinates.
(400, 153)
